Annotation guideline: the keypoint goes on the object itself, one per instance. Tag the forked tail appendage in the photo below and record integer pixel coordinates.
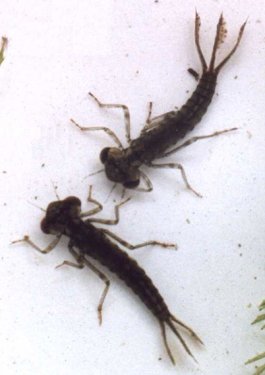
(170, 322)
(221, 32)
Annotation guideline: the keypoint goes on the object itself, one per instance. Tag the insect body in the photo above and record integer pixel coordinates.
(64, 218)
(122, 165)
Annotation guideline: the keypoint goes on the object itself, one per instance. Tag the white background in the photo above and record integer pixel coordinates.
(131, 53)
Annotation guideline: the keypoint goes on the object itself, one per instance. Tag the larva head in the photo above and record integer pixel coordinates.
(59, 213)
(118, 169)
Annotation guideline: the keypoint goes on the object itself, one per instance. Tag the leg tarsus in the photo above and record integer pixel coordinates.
(195, 139)
(2, 50)
(111, 221)
(148, 122)
(71, 264)
(110, 133)
(143, 244)
(46, 250)
(149, 186)
(80, 258)
(126, 113)
(183, 174)
(92, 200)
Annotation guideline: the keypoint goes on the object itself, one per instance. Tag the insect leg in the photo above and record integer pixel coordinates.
(195, 139)
(149, 186)
(110, 221)
(81, 262)
(148, 120)
(106, 130)
(92, 200)
(125, 112)
(3, 45)
(143, 244)
(46, 250)
(183, 174)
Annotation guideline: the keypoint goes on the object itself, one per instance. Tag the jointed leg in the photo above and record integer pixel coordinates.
(94, 210)
(81, 262)
(149, 186)
(111, 221)
(143, 244)
(106, 130)
(183, 174)
(3, 46)
(148, 120)
(195, 139)
(46, 250)
(125, 112)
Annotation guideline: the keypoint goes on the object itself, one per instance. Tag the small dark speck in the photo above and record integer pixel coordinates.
(160, 359)
(176, 108)
(4, 172)
(258, 21)
(36, 197)
(42, 165)
(235, 77)
(227, 351)
(239, 245)
(126, 55)
(240, 254)
(137, 72)
(188, 221)
(255, 277)
(217, 94)
(187, 91)
(249, 134)
(156, 1)
(5, 204)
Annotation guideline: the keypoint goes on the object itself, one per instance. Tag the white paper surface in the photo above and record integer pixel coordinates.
(131, 53)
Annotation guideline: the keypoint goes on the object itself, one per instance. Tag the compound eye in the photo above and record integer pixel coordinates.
(73, 201)
(131, 184)
(104, 154)
(44, 227)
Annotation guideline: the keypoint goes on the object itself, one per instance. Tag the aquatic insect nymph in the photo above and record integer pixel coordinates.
(160, 134)
(64, 217)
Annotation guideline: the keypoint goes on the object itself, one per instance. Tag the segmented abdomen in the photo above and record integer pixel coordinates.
(128, 270)
(92, 242)
(173, 126)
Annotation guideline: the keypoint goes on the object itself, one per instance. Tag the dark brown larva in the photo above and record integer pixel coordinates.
(122, 165)
(63, 217)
